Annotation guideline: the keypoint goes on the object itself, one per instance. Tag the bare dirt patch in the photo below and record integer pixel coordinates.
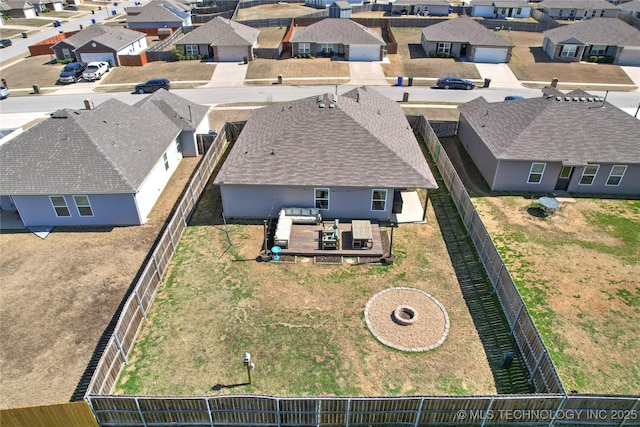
(580, 278)
(530, 63)
(274, 11)
(59, 294)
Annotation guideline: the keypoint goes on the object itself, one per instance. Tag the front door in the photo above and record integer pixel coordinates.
(565, 178)
(510, 12)
(463, 49)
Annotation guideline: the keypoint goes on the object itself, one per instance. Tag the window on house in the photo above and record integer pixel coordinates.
(565, 173)
(589, 174)
(379, 200)
(66, 53)
(83, 205)
(616, 174)
(536, 172)
(326, 47)
(568, 50)
(519, 11)
(444, 47)
(191, 49)
(560, 13)
(321, 197)
(304, 47)
(598, 49)
(60, 206)
(601, 14)
(593, 14)
(504, 11)
(166, 161)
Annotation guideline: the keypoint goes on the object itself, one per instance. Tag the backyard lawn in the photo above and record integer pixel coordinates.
(303, 323)
(579, 274)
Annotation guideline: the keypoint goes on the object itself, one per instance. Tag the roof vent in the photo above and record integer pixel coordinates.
(583, 99)
(335, 97)
(319, 98)
(566, 98)
(332, 105)
(590, 99)
(321, 105)
(59, 114)
(558, 98)
(575, 99)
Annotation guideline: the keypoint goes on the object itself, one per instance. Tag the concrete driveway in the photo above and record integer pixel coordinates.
(367, 73)
(500, 75)
(228, 74)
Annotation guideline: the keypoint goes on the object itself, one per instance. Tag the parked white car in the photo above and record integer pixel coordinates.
(95, 70)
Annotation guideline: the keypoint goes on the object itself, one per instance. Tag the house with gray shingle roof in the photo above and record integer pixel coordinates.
(571, 142)
(100, 167)
(17, 9)
(339, 36)
(465, 38)
(500, 9)
(609, 37)
(100, 42)
(221, 39)
(159, 14)
(578, 9)
(421, 7)
(191, 118)
(325, 150)
(631, 8)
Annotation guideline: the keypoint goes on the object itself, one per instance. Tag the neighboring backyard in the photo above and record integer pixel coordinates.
(303, 323)
(274, 11)
(579, 274)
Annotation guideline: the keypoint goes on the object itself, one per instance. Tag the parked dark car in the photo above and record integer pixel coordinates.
(5, 43)
(153, 85)
(71, 7)
(72, 72)
(455, 82)
(513, 97)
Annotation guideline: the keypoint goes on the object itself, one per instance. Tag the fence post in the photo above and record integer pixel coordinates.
(499, 279)
(555, 414)
(155, 262)
(487, 412)
(535, 368)
(277, 398)
(119, 345)
(318, 413)
(515, 321)
(633, 411)
(418, 412)
(484, 242)
(144, 313)
(206, 400)
(347, 413)
(144, 422)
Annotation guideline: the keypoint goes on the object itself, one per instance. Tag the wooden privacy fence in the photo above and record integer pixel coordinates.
(134, 311)
(252, 410)
(543, 374)
(73, 414)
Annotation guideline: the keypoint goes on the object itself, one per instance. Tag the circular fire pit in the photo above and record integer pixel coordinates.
(407, 319)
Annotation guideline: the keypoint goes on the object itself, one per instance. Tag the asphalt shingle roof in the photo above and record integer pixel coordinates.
(422, 2)
(364, 140)
(159, 11)
(110, 149)
(113, 37)
(633, 5)
(577, 4)
(463, 29)
(337, 30)
(500, 3)
(597, 31)
(185, 114)
(221, 32)
(548, 129)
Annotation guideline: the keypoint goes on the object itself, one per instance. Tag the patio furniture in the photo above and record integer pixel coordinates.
(331, 235)
(289, 216)
(361, 236)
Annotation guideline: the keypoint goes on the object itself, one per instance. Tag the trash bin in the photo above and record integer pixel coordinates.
(24, 35)
(93, 21)
(245, 59)
(410, 83)
(405, 97)
(279, 79)
(487, 82)
(113, 12)
(399, 81)
(59, 23)
(36, 89)
(506, 359)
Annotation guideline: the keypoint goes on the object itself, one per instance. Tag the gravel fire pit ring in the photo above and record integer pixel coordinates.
(424, 321)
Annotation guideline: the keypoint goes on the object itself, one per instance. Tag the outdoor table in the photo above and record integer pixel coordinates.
(361, 236)
(549, 203)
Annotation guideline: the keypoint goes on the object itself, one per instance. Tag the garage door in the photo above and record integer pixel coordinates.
(231, 53)
(364, 53)
(629, 56)
(490, 54)
(96, 57)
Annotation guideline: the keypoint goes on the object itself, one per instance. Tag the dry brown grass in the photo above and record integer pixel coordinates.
(271, 37)
(33, 70)
(530, 63)
(274, 11)
(296, 68)
(174, 71)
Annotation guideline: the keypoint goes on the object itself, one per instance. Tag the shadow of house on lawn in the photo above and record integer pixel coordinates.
(416, 51)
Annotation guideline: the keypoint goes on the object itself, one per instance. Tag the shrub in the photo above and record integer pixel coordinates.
(177, 55)
(593, 58)
(65, 60)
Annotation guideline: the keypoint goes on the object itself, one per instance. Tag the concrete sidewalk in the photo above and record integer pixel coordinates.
(228, 74)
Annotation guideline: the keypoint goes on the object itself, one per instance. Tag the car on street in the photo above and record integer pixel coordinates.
(153, 85)
(4, 92)
(72, 72)
(95, 70)
(5, 43)
(71, 7)
(455, 82)
(513, 97)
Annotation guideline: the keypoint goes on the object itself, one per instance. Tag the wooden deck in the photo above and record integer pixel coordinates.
(305, 241)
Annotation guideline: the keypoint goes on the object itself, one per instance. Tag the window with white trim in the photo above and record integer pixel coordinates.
(444, 47)
(589, 174)
(601, 14)
(565, 172)
(66, 53)
(598, 49)
(321, 198)
(536, 172)
(83, 205)
(568, 50)
(519, 11)
(304, 47)
(165, 158)
(616, 174)
(191, 49)
(59, 206)
(326, 47)
(378, 200)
